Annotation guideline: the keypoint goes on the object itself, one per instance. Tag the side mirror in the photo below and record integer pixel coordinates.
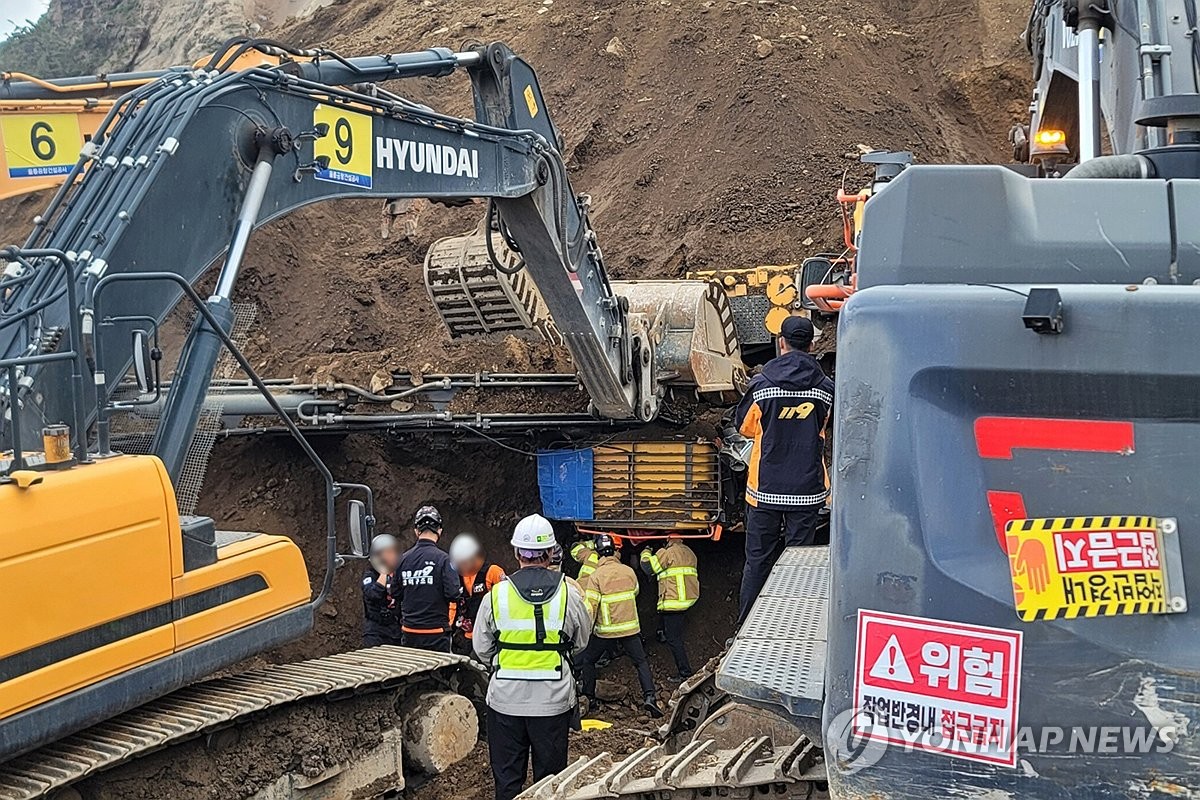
(143, 362)
(360, 529)
(814, 272)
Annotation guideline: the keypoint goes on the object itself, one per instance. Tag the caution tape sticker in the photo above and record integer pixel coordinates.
(1072, 567)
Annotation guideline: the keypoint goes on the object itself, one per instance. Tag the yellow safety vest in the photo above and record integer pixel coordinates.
(678, 581)
(530, 637)
(587, 558)
(611, 593)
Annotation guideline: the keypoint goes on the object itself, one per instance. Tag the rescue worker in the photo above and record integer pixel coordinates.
(585, 555)
(556, 562)
(478, 577)
(784, 412)
(611, 592)
(425, 585)
(529, 627)
(381, 624)
(674, 567)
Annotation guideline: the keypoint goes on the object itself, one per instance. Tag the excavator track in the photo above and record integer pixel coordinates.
(709, 747)
(692, 703)
(208, 708)
(700, 769)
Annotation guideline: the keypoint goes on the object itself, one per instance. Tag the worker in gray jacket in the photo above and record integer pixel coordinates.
(528, 628)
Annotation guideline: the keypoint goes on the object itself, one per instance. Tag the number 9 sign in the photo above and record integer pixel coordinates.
(38, 145)
(347, 146)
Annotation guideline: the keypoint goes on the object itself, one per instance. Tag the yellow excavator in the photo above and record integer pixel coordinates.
(110, 598)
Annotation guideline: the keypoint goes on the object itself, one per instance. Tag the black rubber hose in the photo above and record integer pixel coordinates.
(1129, 165)
(493, 214)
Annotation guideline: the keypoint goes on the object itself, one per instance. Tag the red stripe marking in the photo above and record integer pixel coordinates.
(1005, 507)
(998, 437)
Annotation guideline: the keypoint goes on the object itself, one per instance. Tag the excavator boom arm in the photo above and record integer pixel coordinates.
(169, 172)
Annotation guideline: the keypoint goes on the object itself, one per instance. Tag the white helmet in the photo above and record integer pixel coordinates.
(380, 543)
(463, 549)
(534, 533)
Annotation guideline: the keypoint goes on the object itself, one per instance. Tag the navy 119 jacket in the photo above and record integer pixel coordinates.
(784, 412)
(425, 586)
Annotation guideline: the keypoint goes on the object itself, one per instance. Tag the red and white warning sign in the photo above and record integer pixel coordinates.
(937, 686)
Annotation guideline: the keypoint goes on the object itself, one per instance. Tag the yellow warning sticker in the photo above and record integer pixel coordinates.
(37, 145)
(531, 101)
(1086, 567)
(348, 146)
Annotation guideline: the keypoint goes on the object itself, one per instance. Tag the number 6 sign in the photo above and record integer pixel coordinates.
(39, 145)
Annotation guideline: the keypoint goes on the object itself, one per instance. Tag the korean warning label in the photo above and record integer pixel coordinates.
(937, 686)
(1086, 566)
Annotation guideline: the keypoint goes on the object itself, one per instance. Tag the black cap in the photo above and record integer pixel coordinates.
(427, 519)
(798, 331)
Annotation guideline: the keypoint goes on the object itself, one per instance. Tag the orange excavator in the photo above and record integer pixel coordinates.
(828, 281)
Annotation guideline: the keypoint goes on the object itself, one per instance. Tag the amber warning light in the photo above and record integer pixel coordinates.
(1050, 137)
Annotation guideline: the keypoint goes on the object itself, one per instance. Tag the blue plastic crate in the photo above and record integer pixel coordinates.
(565, 483)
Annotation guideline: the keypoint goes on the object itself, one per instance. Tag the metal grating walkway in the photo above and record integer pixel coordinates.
(778, 656)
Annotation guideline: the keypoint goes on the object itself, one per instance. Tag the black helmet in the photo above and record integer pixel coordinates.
(604, 545)
(427, 519)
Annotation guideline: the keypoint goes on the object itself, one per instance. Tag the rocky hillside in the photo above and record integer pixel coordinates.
(82, 37)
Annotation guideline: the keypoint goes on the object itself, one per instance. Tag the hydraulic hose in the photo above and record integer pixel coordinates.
(1130, 165)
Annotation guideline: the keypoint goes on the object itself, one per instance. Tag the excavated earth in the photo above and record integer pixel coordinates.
(709, 133)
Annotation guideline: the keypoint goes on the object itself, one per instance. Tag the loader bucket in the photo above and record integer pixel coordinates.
(655, 485)
(473, 297)
(692, 326)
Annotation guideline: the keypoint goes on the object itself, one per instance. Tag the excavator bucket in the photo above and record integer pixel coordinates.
(473, 297)
(694, 333)
(691, 322)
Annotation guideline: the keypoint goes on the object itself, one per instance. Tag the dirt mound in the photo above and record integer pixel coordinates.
(708, 133)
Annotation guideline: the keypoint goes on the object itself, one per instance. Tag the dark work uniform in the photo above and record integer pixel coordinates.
(475, 588)
(784, 412)
(381, 623)
(424, 586)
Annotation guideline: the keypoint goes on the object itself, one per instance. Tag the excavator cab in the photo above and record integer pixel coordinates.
(111, 596)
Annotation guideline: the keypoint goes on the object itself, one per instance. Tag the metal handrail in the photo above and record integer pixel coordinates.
(332, 487)
(74, 353)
